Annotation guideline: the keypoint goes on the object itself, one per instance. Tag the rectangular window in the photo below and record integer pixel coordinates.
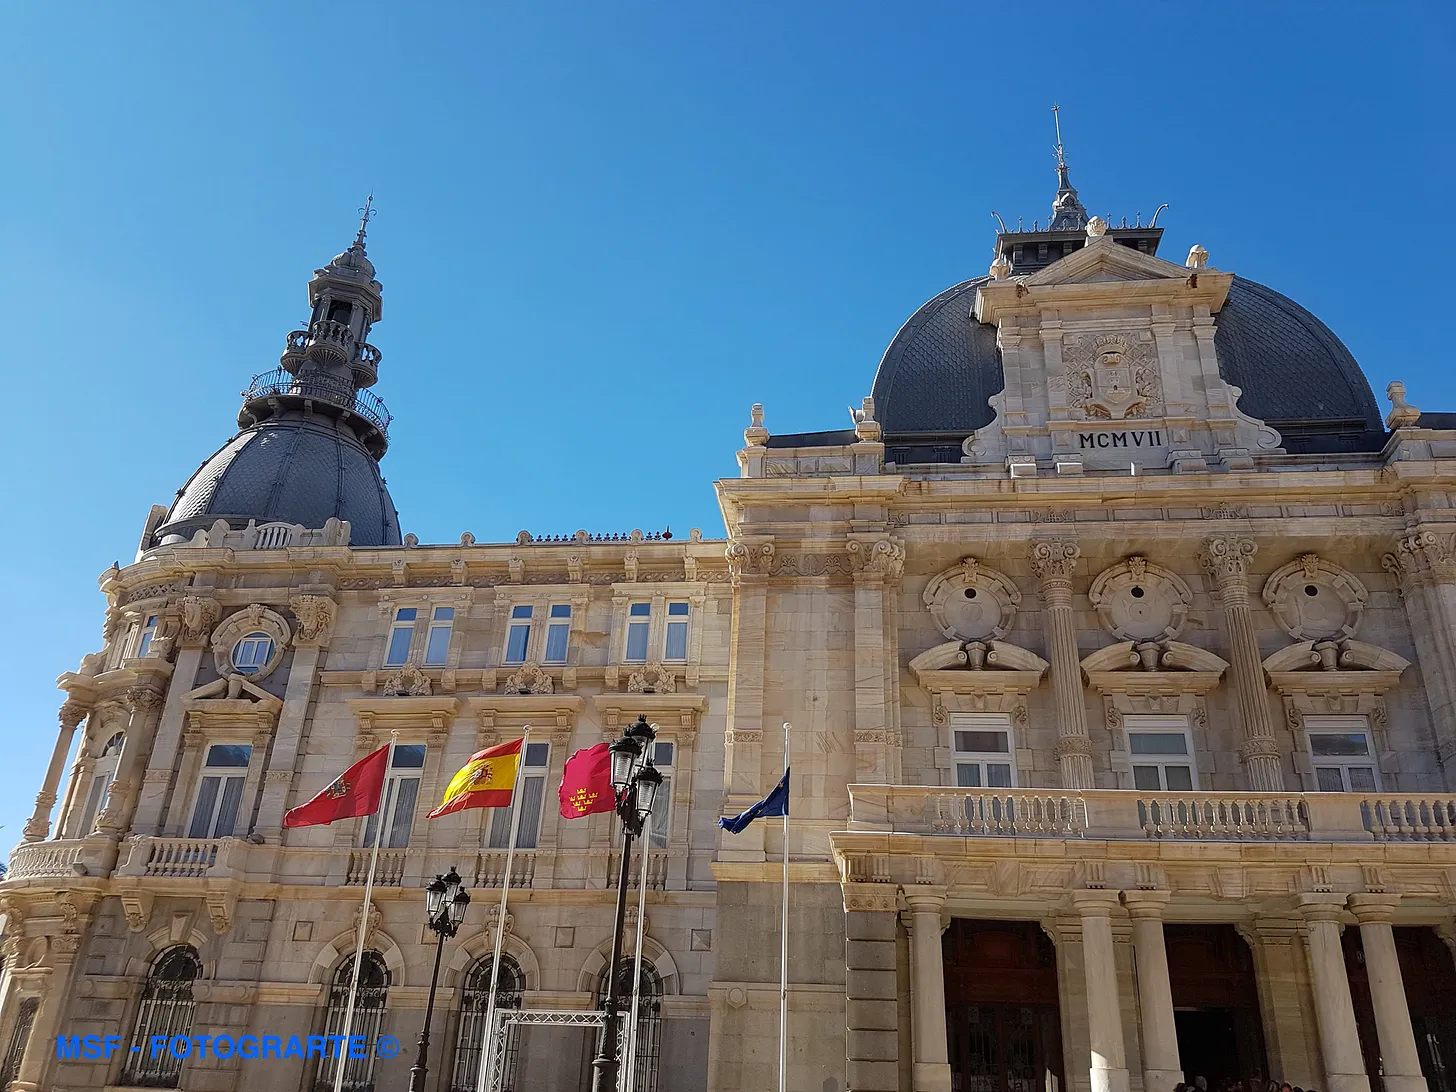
(1162, 754)
(675, 648)
(400, 635)
(660, 827)
(981, 746)
(639, 621)
(518, 637)
(558, 633)
(220, 791)
(144, 642)
(95, 802)
(533, 791)
(1342, 755)
(437, 648)
(401, 794)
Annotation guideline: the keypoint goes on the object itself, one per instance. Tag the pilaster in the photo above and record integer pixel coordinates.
(872, 1038)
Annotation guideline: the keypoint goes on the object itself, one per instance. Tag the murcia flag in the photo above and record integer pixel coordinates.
(586, 783)
(486, 781)
(354, 792)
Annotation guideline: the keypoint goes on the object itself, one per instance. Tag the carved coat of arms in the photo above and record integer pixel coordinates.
(1113, 377)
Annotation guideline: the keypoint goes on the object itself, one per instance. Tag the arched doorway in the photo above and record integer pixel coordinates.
(1003, 1021)
(1429, 977)
(1215, 1003)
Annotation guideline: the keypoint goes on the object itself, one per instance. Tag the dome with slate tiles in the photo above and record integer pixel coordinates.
(312, 434)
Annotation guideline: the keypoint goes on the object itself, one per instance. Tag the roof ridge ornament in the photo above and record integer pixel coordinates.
(366, 214)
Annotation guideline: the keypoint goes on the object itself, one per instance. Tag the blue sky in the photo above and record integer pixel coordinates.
(605, 230)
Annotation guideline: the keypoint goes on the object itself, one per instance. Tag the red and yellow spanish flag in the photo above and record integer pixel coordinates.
(486, 781)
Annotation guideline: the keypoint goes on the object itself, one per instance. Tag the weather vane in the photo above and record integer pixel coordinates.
(365, 215)
(1057, 120)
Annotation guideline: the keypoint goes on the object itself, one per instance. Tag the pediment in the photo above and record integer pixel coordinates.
(1104, 260)
(1006, 669)
(231, 689)
(1350, 655)
(1171, 656)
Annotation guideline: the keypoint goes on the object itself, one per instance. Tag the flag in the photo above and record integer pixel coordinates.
(586, 783)
(354, 792)
(773, 805)
(486, 781)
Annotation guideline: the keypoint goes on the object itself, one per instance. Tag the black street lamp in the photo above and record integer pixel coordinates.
(635, 781)
(445, 904)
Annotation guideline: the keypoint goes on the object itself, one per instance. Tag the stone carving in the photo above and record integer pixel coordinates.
(254, 618)
(1421, 556)
(196, 616)
(1054, 560)
(1112, 377)
(408, 681)
(1402, 413)
(1139, 601)
(1228, 559)
(315, 615)
(1197, 257)
(1314, 600)
(812, 565)
(144, 700)
(1000, 268)
(744, 559)
(1096, 228)
(530, 679)
(971, 602)
(136, 904)
(884, 557)
(652, 679)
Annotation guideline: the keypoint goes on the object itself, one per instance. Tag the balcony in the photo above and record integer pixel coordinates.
(1113, 814)
(271, 392)
(62, 858)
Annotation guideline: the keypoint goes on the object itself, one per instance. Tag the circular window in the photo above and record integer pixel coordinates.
(252, 653)
(970, 593)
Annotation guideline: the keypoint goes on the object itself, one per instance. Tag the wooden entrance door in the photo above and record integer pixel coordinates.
(1003, 1022)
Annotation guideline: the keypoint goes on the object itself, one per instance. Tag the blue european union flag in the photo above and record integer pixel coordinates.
(775, 804)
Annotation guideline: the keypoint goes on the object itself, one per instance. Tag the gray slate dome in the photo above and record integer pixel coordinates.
(935, 378)
(292, 469)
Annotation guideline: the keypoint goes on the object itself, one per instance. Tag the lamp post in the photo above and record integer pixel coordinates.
(445, 904)
(635, 782)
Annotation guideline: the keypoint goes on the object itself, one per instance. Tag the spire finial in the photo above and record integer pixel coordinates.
(1067, 210)
(1057, 121)
(365, 215)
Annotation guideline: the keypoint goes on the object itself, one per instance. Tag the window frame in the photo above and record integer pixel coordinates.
(500, 818)
(556, 623)
(389, 802)
(1160, 724)
(982, 722)
(146, 634)
(685, 621)
(98, 791)
(641, 625)
(1342, 725)
(437, 625)
(517, 621)
(225, 774)
(662, 804)
(405, 625)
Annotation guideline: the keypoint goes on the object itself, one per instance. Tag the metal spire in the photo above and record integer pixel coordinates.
(365, 215)
(1068, 212)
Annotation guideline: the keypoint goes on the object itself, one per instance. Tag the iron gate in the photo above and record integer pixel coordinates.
(166, 1010)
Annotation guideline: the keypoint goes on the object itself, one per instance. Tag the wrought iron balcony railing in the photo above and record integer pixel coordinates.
(318, 387)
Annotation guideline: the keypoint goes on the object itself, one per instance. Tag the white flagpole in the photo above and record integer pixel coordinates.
(487, 1077)
(784, 944)
(341, 1059)
(629, 1052)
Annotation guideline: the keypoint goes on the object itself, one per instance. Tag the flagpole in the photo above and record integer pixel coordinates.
(629, 1052)
(784, 942)
(341, 1058)
(487, 1037)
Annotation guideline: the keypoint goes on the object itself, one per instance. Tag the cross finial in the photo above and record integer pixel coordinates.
(365, 215)
(1057, 121)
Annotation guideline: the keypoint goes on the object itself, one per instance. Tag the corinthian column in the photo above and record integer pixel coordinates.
(72, 713)
(1053, 562)
(1425, 564)
(1228, 560)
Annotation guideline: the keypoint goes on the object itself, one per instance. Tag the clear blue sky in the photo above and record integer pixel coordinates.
(605, 229)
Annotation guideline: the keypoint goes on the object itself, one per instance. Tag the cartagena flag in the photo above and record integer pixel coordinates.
(586, 783)
(354, 792)
(486, 781)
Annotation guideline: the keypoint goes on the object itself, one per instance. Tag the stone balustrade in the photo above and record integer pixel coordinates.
(37, 860)
(1131, 814)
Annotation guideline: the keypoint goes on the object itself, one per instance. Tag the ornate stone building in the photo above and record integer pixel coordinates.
(1115, 634)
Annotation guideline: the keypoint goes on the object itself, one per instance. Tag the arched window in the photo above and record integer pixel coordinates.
(369, 1007)
(166, 1010)
(252, 653)
(102, 775)
(24, 1020)
(649, 1018)
(474, 1000)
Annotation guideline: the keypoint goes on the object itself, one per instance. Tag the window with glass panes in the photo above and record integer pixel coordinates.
(437, 646)
(252, 653)
(401, 794)
(102, 775)
(639, 626)
(1342, 754)
(532, 791)
(675, 643)
(1161, 752)
(558, 633)
(220, 791)
(144, 639)
(660, 827)
(518, 636)
(981, 750)
(400, 635)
